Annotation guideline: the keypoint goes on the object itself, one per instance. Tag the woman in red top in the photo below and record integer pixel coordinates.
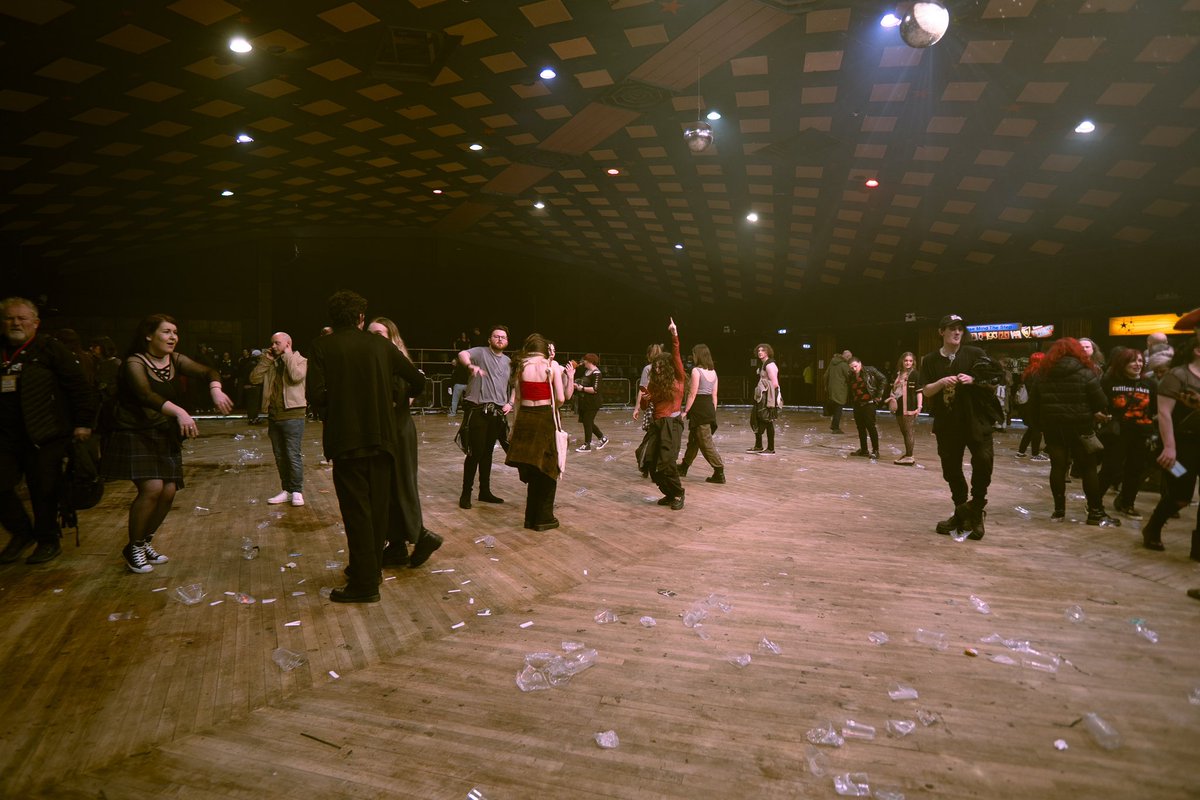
(659, 452)
(532, 448)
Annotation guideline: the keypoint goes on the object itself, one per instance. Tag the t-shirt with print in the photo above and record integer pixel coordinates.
(1132, 403)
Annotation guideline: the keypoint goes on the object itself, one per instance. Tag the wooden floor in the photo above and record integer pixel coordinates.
(809, 548)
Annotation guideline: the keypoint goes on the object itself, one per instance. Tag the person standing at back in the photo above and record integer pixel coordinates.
(768, 400)
(281, 373)
(837, 387)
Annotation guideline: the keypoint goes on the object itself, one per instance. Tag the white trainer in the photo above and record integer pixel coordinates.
(282, 497)
(297, 499)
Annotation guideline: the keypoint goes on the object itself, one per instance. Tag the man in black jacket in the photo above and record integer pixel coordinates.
(350, 378)
(960, 422)
(45, 400)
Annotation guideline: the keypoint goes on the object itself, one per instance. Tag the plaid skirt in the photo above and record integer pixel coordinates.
(531, 443)
(140, 455)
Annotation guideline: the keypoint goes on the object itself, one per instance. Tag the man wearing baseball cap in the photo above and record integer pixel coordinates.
(948, 389)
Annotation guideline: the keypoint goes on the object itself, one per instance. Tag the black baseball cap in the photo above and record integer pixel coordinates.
(949, 320)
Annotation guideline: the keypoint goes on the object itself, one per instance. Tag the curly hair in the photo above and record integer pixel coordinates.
(663, 383)
(345, 308)
(1064, 347)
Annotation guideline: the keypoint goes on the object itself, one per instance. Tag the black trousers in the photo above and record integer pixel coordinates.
(759, 426)
(663, 455)
(41, 466)
(1177, 492)
(540, 492)
(864, 420)
(952, 445)
(1125, 460)
(483, 431)
(1064, 448)
(407, 521)
(587, 415)
(836, 423)
(365, 490)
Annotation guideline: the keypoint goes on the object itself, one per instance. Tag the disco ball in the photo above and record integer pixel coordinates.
(699, 136)
(924, 24)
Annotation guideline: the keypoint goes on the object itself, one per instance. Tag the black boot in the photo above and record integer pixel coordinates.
(1195, 554)
(977, 518)
(718, 476)
(949, 526)
(1097, 516)
(683, 468)
(1060, 508)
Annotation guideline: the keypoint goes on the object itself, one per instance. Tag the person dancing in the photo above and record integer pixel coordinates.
(701, 413)
(148, 428)
(659, 451)
(588, 389)
(533, 451)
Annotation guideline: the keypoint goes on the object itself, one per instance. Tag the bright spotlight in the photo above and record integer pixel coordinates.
(244, 138)
(872, 183)
(714, 115)
(239, 45)
(1087, 126)
(547, 74)
(678, 246)
(752, 217)
(539, 204)
(476, 146)
(889, 20)
(227, 193)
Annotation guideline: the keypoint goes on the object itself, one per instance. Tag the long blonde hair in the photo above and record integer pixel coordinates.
(393, 334)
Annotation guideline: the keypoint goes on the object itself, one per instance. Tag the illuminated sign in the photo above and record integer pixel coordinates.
(1009, 331)
(1142, 325)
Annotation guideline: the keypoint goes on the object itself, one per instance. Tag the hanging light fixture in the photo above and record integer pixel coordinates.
(698, 135)
(923, 24)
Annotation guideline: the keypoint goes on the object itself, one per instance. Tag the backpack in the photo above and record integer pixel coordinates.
(82, 485)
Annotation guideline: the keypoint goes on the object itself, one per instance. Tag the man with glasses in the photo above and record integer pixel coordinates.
(488, 400)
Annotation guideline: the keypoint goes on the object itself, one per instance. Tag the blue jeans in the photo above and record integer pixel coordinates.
(455, 396)
(287, 437)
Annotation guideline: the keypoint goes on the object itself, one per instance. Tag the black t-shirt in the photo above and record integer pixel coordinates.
(936, 366)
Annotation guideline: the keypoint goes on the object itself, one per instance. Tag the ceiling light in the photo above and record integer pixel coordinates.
(872, 183)
(924, 24)
(547, 74)
(781, 331)
(1087, 126)
(889, 20)
(678, 246)
(699, 136)
(752, 217)
(239, 45)
(476, 146)
(227, 193)
(613, 171)
(244, 138)
(539, 204)
(714, 115)
(437, 191)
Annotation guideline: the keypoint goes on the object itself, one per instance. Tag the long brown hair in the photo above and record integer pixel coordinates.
(702, 357)
(535, 345)
(663, 383)
(393, 334)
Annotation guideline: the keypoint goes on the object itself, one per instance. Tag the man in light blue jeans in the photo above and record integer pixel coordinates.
(282, 372)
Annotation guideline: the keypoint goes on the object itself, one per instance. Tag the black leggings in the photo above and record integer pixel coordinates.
(1033, 436)
(760, 425)
(587, 415)
(1064, 448)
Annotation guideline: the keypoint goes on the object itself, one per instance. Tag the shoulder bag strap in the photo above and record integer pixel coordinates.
(553, 406)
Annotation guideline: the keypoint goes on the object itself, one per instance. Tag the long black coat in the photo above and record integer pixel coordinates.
(352, 377)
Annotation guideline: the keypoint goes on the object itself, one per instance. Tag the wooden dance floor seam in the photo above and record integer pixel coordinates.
(810, 548)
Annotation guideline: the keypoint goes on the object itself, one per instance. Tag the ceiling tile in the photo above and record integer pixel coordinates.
(472, 31)
(19, 101)
(1069, 50)
(214, 68)
(573, 48)
(1167, 49)
(273, 88)
(69, 70)
(205, 12)
(647, 36)
(154, 92)
(348, 17)
(132, 39)
(334, 70)
(823, 61)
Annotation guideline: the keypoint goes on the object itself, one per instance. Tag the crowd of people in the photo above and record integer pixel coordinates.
(1106, 422)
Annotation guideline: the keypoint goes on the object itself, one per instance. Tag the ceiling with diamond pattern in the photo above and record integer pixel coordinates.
(121, 122)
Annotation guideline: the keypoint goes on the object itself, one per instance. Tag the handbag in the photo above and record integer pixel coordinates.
(561, 437)
(1091, 443)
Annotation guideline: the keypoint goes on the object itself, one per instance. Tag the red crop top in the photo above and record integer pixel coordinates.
(535, 390)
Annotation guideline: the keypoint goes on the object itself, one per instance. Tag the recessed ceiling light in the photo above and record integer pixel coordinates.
(475, 146)
(437, 191)
(752, 217)
(539, 204)
(244, 138)
(678, 246)
(1087, 126)
(889, 20)
(613, 171)
(714, 115)
(239, 45)
(227, 193)
(872, 183)
(781, 331)
(547, 74)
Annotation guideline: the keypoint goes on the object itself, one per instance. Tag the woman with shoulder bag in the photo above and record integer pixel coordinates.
(1068, 402)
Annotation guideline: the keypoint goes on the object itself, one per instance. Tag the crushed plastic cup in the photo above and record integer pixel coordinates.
(605, 616)
(191, 594)
(287, 660)
(852, 784)
(927, 718)
(1043, 662)
(1023, 512)
(531, 679)
(959, 536)
(934, 639)
(244, 599)
(249, 549)
(581, 491)
(1103, 733)
(825, 735)
(1074, 614)
(739, 660)
(878, 637)
(887, 793)
(607, 739)
(1060, 744)
(476, 794)
(900, 727)
(331, 564)
(902, 691)
(702, 632)
(717, 601)
(818, 762)
(694, 616)
(1194, 696)
(766, 646)
(979, 605)
(853, 729)
(647, 622)
(488, 541)
(117, 616)
(1001, 658)
(262, 526)
(571, 647)
(1139, 627)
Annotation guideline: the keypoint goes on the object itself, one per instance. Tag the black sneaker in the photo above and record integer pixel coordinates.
(45, 551)
(603, 441)
(1127, 510)
(677, 503)
(153, 556)
(666, 501)
(464, 499)
(770, 451)
(757, 449)
(860, 452)
(16, 546)
(584, 448)
(135, 559)
(682, 470)
(1097, 516)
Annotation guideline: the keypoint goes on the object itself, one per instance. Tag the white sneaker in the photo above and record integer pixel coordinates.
(282, 497)
(297, 499)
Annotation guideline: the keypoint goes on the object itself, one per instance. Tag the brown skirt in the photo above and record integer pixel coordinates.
(531, 443)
